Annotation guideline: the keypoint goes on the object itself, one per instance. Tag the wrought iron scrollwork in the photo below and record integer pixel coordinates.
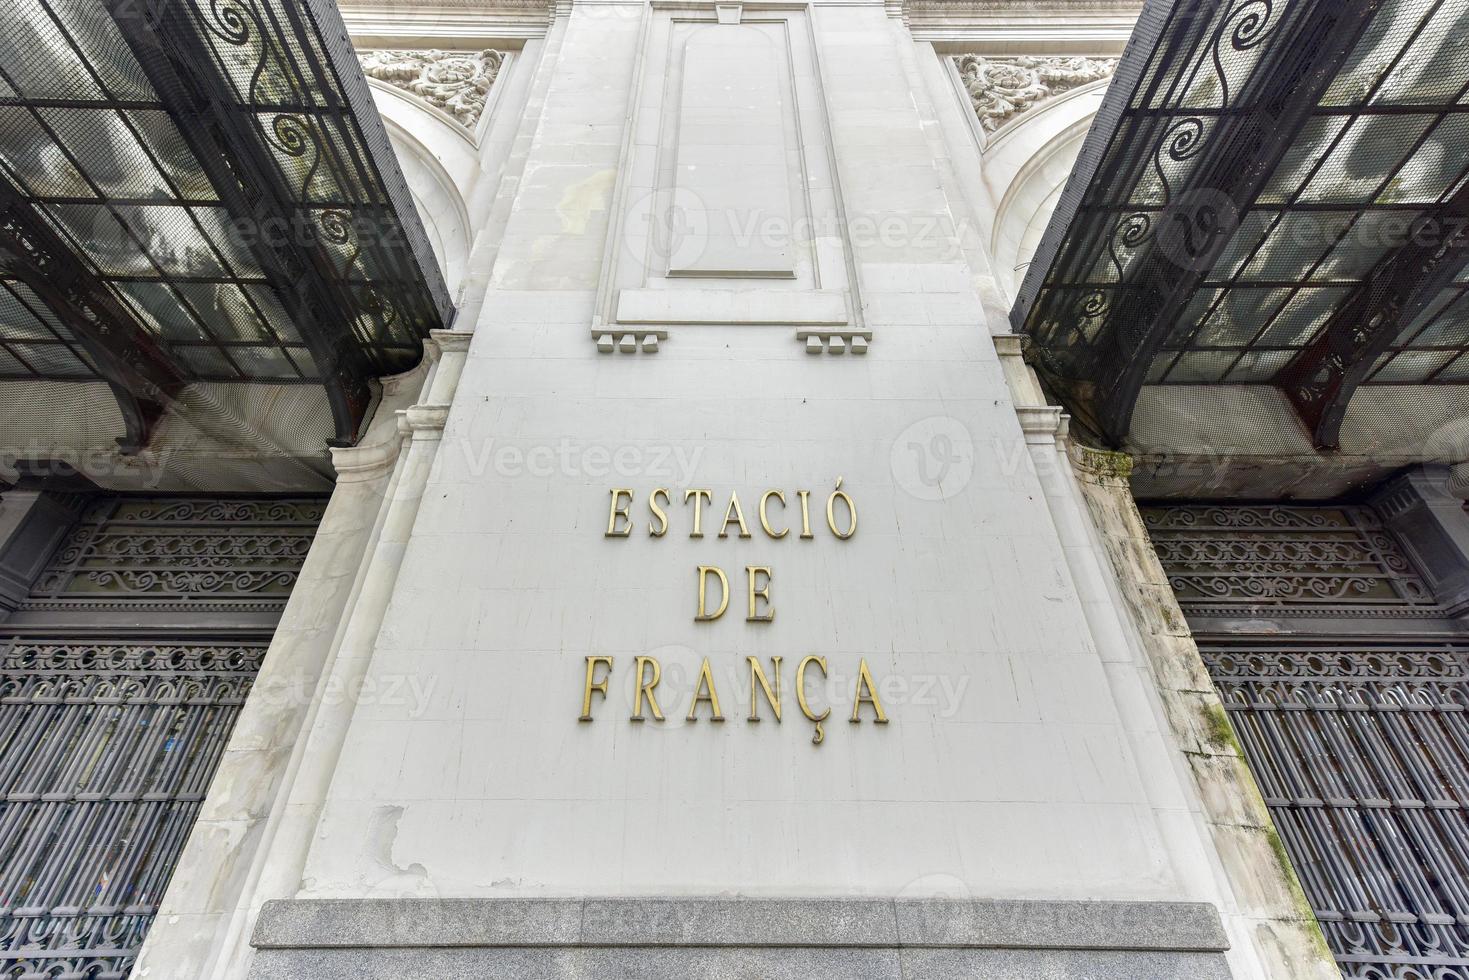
(1358, 746)
(194, 552)
(1283, 558)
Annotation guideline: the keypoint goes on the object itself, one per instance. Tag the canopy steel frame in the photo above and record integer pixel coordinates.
(135, 365)
(1323, 377)
(1178, 222)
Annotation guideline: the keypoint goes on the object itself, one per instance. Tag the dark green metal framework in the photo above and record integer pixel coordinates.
(202, 191)
(1273, 193)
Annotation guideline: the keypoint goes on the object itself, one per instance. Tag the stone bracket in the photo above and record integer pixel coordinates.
(835, 341)
(624, 341)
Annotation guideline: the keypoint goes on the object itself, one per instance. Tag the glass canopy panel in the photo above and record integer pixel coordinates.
(1234, 321)
(38, 347)
(1456, 372)
(1370, 148)
(1298, 322)
(1378, 53)
(1434, 66)
(1257, 367)
(1321, 221)
(321, 251)
(1449, 329)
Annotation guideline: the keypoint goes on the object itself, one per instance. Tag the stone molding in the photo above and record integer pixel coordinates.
(752, 923)
(835, 341)
(1002, 88)
(456, 82)
(1046, 421)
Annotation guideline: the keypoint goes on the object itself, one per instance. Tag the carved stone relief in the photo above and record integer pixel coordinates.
(457, 82)
(1002, 88)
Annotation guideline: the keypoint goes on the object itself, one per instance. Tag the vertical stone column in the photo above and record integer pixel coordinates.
(256, 823)
(417, 431)
(1155, 666)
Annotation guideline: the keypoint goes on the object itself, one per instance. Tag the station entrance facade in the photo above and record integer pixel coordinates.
(124, 664)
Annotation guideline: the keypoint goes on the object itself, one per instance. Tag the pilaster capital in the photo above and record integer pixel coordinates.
(425, 418)
(1043, 420)
(356, 464)
(1101, 464)
(451, 341)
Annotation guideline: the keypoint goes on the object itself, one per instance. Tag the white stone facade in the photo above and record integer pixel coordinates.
(741, 247)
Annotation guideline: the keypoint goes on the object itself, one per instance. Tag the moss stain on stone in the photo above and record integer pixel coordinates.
(1298, 895)
(1220, 731)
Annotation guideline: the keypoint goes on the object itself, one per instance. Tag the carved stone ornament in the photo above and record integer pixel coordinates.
(1002, 88)
(456, 81)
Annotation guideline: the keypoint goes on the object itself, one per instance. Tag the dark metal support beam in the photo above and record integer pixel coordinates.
(183, 73)
(1321, 380)
(1243, 153)
(134, 362)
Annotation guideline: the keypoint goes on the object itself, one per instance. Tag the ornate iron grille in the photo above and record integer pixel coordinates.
(107, 746)
(180, 554)
(1363, 757)
(1359, 746)
(1285, 559)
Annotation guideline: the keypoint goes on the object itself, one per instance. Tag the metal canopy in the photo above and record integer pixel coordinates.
(202, 191)
(1273, 193)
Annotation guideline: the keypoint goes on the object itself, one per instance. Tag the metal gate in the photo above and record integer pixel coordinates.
(121, 677)
(1347, 686)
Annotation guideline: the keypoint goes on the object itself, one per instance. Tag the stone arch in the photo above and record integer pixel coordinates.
(439, 161)
(1027, 166)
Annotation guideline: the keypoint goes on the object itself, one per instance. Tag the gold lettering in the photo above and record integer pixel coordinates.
(752, 573)
(619, 510)
(805, 496)
(706, 682)
(765, 520)
(831, 519)
(819, 736)
(700, 498)
(594, 685)
(704, 615)
(738, 515)
(662, 527)
(759, 682)
(864, 682)
(645, 688)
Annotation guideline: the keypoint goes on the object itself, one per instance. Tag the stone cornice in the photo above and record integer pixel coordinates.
(445, 23)
(1050, 27)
